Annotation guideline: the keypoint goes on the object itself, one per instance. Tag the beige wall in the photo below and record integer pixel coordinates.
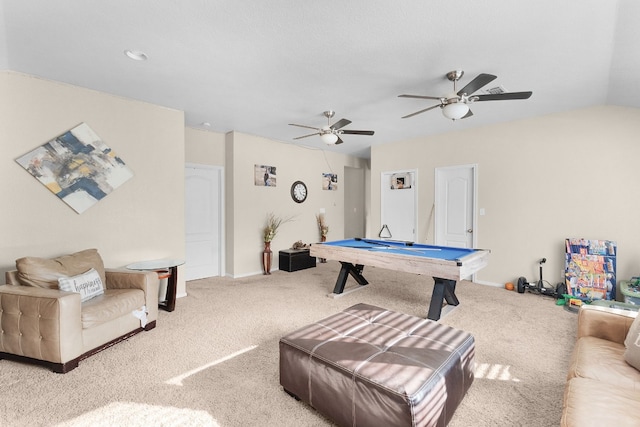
(143, 219)
(204, 147)
(248, 204)
(572, 174)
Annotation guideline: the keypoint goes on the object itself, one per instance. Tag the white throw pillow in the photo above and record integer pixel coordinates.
(632, 342)
(88, 284)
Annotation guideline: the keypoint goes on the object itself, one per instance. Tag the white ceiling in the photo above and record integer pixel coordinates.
(255, 66)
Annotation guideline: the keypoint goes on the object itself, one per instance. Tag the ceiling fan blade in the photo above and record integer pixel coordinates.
(437, 98)
(503, 96)
(339, 141)
(305, 126)
(477, 83)
(421, 111)
(340, 124)
(357, 132)
(469, 114)
(306, 136)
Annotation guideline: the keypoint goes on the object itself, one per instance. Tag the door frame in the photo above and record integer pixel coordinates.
(222, 226)
(474, 208)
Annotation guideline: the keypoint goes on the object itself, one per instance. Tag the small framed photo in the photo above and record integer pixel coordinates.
(401, 181)
(330, 181)
(265, 176)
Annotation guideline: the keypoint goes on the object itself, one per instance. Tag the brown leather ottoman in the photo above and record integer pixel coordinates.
(367, 366)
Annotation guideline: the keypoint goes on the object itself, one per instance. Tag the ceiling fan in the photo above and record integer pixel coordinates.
(330, 134)
(456, 104)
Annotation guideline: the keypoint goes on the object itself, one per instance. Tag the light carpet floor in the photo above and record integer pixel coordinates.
(214, 361)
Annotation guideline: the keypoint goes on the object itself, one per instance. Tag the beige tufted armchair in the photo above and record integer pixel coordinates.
(44, 325)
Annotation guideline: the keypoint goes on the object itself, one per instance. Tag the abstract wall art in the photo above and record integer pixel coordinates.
(78, 167)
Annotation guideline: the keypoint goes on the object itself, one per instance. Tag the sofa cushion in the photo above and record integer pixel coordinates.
(591, 403)
(603, 360)
(44, 272)
(88, 285)
(112, 304)
(632, 344)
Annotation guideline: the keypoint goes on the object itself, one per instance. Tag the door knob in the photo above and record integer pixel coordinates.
(470, 230)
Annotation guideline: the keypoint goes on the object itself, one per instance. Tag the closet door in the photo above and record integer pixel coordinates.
(398, 210)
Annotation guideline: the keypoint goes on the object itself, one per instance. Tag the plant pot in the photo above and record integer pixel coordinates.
(323, 239)
(266, 258)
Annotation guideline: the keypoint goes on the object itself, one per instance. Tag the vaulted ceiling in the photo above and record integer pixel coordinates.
(256, 66)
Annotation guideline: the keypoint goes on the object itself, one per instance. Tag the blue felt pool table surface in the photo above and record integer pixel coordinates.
(405, 248)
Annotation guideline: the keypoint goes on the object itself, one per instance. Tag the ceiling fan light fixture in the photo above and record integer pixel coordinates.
(455, 111)
(329, 138)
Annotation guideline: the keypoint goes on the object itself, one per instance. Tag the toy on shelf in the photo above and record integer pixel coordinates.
(630, 290)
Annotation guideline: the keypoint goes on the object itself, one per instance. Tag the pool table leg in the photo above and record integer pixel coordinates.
(346, 270)
(444, 289)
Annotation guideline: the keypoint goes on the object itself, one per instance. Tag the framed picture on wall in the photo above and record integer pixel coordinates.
(400, 181)
(264, 176)
(330, 181)
(77, 166)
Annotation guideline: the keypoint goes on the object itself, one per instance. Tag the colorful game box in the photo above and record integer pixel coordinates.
(590, 269)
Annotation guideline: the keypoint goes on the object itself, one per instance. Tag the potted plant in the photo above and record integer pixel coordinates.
(324, 230)
(269, 232)
(322, 227)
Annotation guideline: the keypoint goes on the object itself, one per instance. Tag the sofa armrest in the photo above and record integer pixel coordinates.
(147, 281)
(40, 323)
(607, 323)
(11, 277)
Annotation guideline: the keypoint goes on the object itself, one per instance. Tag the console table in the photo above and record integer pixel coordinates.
(159, 265)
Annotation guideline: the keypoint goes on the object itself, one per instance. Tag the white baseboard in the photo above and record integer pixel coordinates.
(255, 273)
(483, 282)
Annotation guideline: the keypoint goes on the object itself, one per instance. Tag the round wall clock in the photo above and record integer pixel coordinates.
(298, 192)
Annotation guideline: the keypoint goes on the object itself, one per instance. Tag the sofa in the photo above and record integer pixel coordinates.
(603, 388)
(57, 312)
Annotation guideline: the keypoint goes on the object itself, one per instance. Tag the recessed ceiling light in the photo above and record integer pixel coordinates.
(136, 55)
(206, 124)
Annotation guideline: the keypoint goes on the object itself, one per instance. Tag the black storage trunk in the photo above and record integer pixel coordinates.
(296, 259)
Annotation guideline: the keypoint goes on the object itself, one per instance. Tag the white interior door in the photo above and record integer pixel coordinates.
(203, 221)
(455, 206)
(398, 210)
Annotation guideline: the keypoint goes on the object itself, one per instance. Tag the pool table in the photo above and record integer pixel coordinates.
(445, 264)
